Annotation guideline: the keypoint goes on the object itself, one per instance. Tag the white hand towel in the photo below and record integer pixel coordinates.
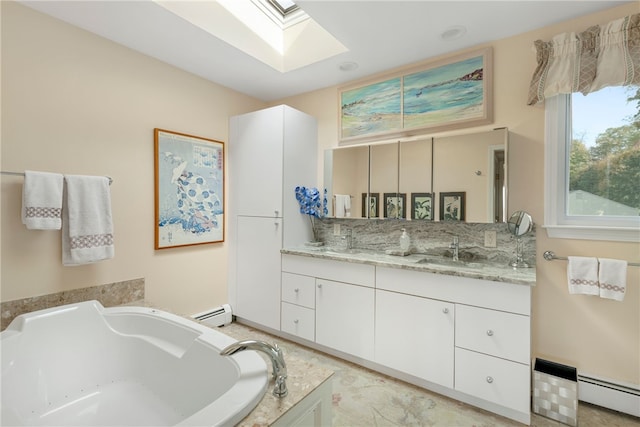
(582, 275)
(347, 206)
(42, 200)
(341, 205)
(87, 226)
(613, 278)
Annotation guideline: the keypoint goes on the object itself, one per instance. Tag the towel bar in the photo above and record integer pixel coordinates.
(550, 256)
(22, 174)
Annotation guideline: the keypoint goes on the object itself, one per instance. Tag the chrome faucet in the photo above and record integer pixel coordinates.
(275, 354)
(455, 245)
(348, 237)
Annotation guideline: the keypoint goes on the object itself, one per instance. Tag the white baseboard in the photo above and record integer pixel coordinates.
(609, 394)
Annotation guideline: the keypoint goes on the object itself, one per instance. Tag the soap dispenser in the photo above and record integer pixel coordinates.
(405, 241)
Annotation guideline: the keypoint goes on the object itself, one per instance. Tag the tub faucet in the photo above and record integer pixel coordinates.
(275, 354)
(455, 245)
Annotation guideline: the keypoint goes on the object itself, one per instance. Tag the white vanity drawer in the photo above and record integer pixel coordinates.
(299, 321)
(495, 380)
(338, 271)
(299, 290)
(492, 332)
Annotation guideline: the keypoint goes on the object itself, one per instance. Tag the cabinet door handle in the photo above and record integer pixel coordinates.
(490, 332)
(296, 321)
(296, 290)
(489, 380)
(276, 212)
(445, 310)
(320, 286)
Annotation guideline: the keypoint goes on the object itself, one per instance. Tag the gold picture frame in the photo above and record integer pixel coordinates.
(189, 190)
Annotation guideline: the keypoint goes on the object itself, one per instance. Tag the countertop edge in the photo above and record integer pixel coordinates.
(494, 272)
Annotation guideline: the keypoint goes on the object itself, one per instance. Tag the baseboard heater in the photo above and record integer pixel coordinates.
(619, 397)
(218, 316)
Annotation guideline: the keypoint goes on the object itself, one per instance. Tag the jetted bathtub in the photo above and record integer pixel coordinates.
(86, 365)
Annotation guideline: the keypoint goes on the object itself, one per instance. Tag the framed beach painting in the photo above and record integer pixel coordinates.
(452, 206)
(452, 93)
(371, 110)
(189, 190)
(422, 206)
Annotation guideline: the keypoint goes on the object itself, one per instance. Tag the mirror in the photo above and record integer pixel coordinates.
(415, 178)
(384, 182)
(347, 178)
(467, 172)
(519, 224)
(470, 171)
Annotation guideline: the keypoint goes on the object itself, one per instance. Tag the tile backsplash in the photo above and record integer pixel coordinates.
(431, 238)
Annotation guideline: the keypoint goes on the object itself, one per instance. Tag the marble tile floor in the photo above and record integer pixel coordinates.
(364, 398)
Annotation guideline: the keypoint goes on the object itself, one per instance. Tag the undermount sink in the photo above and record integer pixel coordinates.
(448, 262)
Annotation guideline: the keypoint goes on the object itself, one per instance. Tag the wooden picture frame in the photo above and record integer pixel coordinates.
(452, 206)
(452, 93)
(189, 190)
(422, 206)
(373, 203)
(395, 205)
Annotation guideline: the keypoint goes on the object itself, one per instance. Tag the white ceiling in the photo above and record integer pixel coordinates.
(380, 35)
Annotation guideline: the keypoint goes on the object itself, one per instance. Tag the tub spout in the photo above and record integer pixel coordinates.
(274, 353)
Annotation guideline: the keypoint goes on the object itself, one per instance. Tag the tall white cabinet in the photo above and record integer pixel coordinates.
(270, 152)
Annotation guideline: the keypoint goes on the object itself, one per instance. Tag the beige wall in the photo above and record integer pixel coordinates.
(598, 336)
(76, 103)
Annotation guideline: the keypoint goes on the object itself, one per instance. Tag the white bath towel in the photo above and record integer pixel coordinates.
(582, 275)
(87, 225)
(42, 200)
(613, 278)
(343, 205)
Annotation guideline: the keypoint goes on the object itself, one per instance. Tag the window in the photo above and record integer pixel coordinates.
(592, 165)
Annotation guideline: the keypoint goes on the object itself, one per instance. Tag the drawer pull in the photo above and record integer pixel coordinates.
(490, 332)
(445, 310)
(489, 380)
(296, 321)
(296, 290)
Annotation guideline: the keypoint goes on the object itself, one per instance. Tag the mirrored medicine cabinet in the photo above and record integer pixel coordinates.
(449, 178)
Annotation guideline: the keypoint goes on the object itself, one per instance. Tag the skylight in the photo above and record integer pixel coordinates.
(284, 6)
(258, 28)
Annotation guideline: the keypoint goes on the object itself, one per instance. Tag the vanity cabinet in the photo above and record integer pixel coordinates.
(344, 303)
(344, 317)
(463, 337)
(415, 335)
(491, 329)
(270, 152)
(298, 305)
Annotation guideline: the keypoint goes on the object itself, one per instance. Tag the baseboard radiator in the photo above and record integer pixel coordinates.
(619, 397)
(218, 316)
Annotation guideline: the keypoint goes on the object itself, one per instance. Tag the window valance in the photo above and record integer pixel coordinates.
(585, 62)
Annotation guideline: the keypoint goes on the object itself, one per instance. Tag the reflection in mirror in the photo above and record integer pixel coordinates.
(384, 181)
(475, 165)
(346, 180)
(415, 178)
(519, 224)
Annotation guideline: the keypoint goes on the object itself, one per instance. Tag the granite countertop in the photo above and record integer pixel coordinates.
(478, 269)
(303, 377)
